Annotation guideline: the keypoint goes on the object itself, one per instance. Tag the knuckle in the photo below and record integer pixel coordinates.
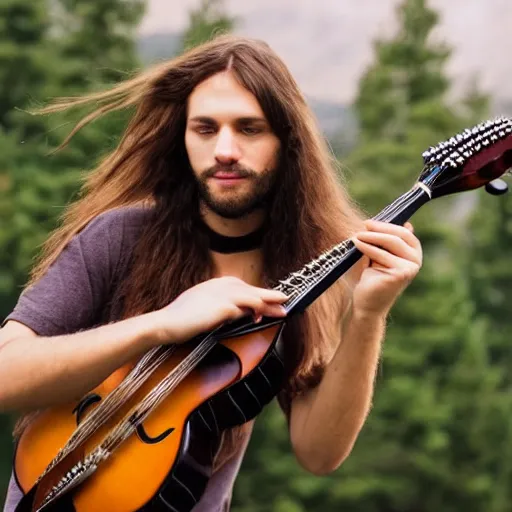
(402, 274)
(231, 310)
(259, 303)
(411, 271)
(408, 275)
(225, 279)
(234, 281)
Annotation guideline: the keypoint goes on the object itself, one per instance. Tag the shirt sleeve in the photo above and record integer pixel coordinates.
(71, 295)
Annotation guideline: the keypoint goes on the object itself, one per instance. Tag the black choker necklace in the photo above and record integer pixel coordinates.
(231, 244)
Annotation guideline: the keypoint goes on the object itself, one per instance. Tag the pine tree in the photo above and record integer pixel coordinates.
(65, 50)
(80, 46)
(437, 400)
(23, 59)
(206, 22)
(26, 58)
(486, 246)
(437, 395)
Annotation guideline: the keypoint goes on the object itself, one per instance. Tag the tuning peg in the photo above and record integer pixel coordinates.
(497, 187)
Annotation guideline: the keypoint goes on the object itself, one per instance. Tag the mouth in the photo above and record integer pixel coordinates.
(228, 178)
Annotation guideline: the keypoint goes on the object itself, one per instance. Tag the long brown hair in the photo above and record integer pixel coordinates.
(310, 210)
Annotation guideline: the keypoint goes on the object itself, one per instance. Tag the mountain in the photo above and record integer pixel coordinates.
(333, 117)
(154, 47)
(328, 43)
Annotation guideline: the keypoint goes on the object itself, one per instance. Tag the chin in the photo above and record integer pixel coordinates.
(232, 205)
(231, 210)
(232, 213)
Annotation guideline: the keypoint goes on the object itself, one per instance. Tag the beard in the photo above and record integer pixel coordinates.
(240, 204)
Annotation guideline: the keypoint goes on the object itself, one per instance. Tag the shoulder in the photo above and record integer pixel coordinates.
(114, 231)
(119, 220)
(107, 242)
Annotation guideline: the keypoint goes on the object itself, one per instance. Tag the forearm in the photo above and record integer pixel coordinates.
(37, 372)
(341, 402)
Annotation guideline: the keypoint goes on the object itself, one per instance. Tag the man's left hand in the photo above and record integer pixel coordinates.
(394, 257)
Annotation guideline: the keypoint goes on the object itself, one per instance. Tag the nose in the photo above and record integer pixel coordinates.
(226, 149)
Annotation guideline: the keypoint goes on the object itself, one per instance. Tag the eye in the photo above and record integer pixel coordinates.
(250, 130)
(205, 130)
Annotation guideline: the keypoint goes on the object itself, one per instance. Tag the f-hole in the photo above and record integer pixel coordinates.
(146, 438)
(84, 404)
(88, 400)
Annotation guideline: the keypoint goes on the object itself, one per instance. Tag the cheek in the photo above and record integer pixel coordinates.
(272, 154)
(196, 151)
(265, 155)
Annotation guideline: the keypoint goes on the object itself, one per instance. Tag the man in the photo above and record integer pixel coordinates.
(220, 186)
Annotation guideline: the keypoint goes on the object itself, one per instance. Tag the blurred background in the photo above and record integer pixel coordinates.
(386, 79)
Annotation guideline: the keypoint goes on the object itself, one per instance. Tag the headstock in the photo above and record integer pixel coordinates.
(474, 158)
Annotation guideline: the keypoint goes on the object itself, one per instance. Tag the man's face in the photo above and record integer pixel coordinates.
(231, 147)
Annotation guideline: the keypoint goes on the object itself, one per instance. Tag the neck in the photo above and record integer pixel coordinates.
(233, 227)
(244, 264)
(247, 266)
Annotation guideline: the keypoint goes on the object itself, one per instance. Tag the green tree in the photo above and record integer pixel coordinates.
(206, 22)
(424, 446)
(438, 398)
(25, 58)
(51, 49)
(80, 46)
(486, 247)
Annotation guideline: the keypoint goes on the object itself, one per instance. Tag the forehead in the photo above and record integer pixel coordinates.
(221, 95)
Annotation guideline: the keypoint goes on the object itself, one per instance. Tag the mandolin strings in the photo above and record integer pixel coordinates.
(131, 420)
(113, 401)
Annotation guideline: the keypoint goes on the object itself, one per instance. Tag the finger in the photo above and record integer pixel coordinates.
(409, 226)
(393, 229)
(380, 256)
(250, 302)
(270, 295)
(366, 262)
(274, 310)
(233, 312)
(241, 288)
(257, 318)
(390, 243)
(257, 305)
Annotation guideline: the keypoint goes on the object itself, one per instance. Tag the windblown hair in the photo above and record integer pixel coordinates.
(310, 210)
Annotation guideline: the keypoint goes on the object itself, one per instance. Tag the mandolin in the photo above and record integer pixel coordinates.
(146, 438)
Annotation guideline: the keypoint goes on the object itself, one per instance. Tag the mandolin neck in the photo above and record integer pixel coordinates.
(307, 284)
(338, 260)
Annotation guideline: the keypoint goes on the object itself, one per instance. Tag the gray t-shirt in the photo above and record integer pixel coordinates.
(75, 294)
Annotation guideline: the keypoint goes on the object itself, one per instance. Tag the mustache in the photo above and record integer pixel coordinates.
(233, 168)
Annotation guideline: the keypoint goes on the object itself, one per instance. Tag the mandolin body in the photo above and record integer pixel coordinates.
(167, 464)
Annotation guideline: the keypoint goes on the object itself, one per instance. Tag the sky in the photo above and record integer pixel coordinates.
(311, 35)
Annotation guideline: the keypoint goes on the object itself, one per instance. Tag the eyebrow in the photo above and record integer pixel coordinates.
(240, 120)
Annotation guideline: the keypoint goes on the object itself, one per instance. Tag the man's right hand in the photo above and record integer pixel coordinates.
(209, 304)
(38, 372)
